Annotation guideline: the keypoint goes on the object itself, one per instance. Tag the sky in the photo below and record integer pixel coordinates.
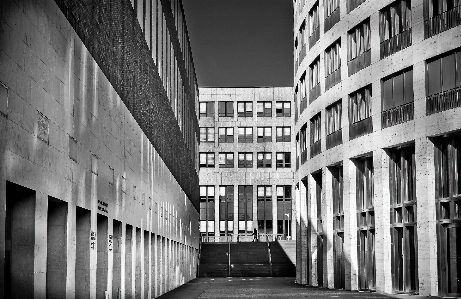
(241, 43)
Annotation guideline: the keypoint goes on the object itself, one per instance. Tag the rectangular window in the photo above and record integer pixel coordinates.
(314, 25)
(245, 135)
(206, 134)
(283, 193)
(314, 79)
(207, 160)
(264, 160)
(207, 203)
(264, 193)
(226, 160)
(402, 187)
(395, 27)
(245, 160)
(365, 223)
(264, 109)
(397, 98)
(283, 134)
(264, 134)
(360, 105)
(358, 47)
(226, 206)
(303, 143)
(334, 114)
(332, 15)
(245, 208)
(333, 65)
(315, 127)
(283, 160)
(226, 135)
(353, 4)
(333, 125)
(206, 109)
(245, 109)
(283, 109)
(226, 109)
(443, 82)
(440, 16)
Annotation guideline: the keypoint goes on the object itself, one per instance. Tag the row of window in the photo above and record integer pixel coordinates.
(443, 92)
(245, 134)
(395, 32)
(264, 193)
(245, 109)
(245, 160)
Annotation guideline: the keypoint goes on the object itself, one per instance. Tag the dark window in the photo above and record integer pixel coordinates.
(283, 134)
(397, 90)
(226, 207)
(315, 127)
(264, 134)
(245, 208)
(314, 25)
(365, 223)
(440, 16)
(360, 105)
(358, 47)
(226, 160)
(245, 160)
(264, 193)
(264, 160)
(206, 109)
(226, 135)
(332, 15)
(402, 187)
(333, 65)
(245, 134)
(264, 109)
(283, 160)
(353, 4)
(283, 109)
(206, 134)
(226, 109)
(245, 109)
(207, 199)
(333, 117)
(395, 27)
(314, 71)
(207, 160)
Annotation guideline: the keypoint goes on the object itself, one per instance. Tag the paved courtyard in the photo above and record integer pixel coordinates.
(265, 287)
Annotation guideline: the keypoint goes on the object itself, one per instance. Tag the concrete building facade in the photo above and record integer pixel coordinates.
(377, 96)
(98, 149)
(246, 163)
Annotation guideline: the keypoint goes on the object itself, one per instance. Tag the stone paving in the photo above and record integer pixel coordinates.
(264, 287)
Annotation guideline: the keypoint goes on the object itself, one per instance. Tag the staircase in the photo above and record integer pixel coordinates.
(214, 260)
(248, 259)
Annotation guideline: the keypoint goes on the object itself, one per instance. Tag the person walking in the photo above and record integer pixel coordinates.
(255, 235)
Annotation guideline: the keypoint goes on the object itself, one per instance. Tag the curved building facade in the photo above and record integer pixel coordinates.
(98, 149)
(378, 151)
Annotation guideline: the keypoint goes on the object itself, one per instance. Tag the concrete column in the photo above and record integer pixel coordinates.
(382, 221)
(327, 208)
(304, 230)
(350, 225)
(40, 250)
(426, 217)
(312, 231)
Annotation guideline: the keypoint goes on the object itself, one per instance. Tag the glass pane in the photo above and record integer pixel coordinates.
(448, 72)
(458, 69)
(433, 75)
(398, 90)
(453, 247)
(408, 86)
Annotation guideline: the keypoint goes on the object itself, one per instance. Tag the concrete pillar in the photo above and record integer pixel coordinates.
(382, 221)
(312, 230)
(305, 254)
(350, 225)
(426, 217)
(327, 190)
(40, 248)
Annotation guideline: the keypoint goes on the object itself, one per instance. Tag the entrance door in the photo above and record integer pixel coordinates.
(450, 259)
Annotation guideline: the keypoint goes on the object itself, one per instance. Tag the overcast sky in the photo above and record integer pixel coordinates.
(241, 42)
